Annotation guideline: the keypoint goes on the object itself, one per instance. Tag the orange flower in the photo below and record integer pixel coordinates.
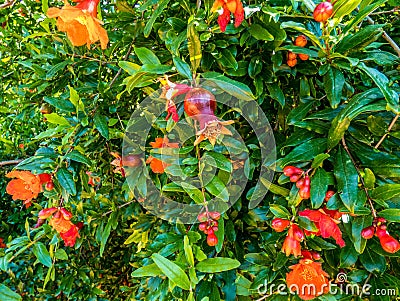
(60, 221)
(127, 161)
(25, 187)
(291, 245)
(308, 279)
(80, 23)
(156, 165)
(326, 225)
(229, 6)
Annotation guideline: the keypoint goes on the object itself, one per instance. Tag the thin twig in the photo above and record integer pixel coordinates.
(385, 12)
(388, 130)
(365, 283)
(95, 60)
(7, 4)
(120, 69)
(10, 162)
(360, 176)
(387, 38)
(119, 207)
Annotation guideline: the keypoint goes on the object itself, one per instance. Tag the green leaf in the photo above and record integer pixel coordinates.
(232, 87)
(78, 157)
(6, 294)
(220, 234)
(386, 192)
(373, 262)
(151, 270)
(217, 188)
(100, 122)
(364, 12)
(194, 193)
(319, 159)
(130, 67)
(344, 7)
(172, 271)
(41, 253)
(188, 251)
(276, 189)
(56, 119)
(337, 131)
(260, 33)
(216, 265)
(391, 96)
(182, 67)
(359, 40)
(75, 99)
(279, 211)
(146, 56)
(194, 46)
(57, 67)
(61, 254)
(304, 152)
(66, 180)
(161, 5)
(347, 179)
(348, 256)
(369, 178)
(59, 103)
(217, 160)
(300, 27)
(276, 93)
(333, 84)
(392, 215)
(319, 187)
(357, 225)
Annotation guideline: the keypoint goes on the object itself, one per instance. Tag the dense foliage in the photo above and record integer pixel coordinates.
(290, 176)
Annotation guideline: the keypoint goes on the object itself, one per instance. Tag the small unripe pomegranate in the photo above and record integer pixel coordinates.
(307, 181)
(328, 195)
(279, 224)
(368, 232)
(323, 11)
(315, 255)
(295, 178)
(291, 63)
(49, 185)
(301, 41)
(291, 55)
(304, 192)
(300, 183)
(292, 170)
(215, 215)
(381, 231)
(202, 217)
(212, 240)
(298, 234)
(203, 226)
(389, 244)
(210, 231)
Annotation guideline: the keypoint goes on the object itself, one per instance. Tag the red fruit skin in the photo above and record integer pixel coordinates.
(328, 195)
(199, 102)
(212, 240)
(289, 171)
(295, 178)
(300, 183)
(298, 234)
(301, 41)
(279, 224)
(49, 186)
(203, 226)
(323, 11)
(381, 231)
(303, 57)
(381, 220)
(315, 255)
(202, 217)
(291, 63)
(368, 232)
(210, 231)
(215, 215)
(389, 243)
(304, 192)
(215, 228)
(307, 181)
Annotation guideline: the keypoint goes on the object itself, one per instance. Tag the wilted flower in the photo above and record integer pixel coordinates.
(291, 245)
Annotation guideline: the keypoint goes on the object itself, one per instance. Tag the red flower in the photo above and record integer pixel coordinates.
(388, 242)
(156, 165)
(170, 91)
(291, 245)
(307, 279)
(80, 23)
(229, 6)
(172, 112)
(327, 225)
(44, 178)
(279, 224)
(2, 244)
(60, 221)
(93, 180)
(25, 187)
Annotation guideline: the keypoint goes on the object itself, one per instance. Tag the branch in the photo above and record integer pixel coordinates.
(387, 38)
(10, 162)
(7, 4)
(388, 130)
(120, 69)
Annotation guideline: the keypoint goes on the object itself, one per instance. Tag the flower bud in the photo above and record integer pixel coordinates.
(212, 240)
(323, 11)
(279, 224)
(303, 57)
(301, 41)
(368, 232)
(389, 244)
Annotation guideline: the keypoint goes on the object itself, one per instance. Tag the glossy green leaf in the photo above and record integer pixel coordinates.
(319, 187)
(194, 46)
(386, 192)
(357, 225)
(182, 67)
(392, 215)
(373, 262)
(333, 83)
(162, 4)
(347, 179)
(260, 33)
(216, 265)
(101, 124)
(66, 180)
(78, 157)
(172, 271)
(188, 251)
(6, 294)
(41, 253)
(56, 119)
